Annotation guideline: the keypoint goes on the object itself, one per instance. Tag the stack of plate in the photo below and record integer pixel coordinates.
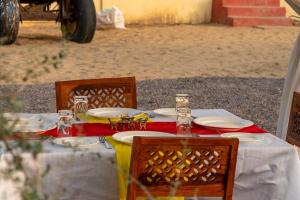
(223, 123)
(166, 112)
(127, 136)
(230, 124)
(27, 123)
(112, 112)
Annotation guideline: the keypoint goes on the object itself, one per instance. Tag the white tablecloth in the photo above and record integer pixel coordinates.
(269, 170)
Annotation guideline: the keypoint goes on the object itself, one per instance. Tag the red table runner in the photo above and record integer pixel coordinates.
(97, 129)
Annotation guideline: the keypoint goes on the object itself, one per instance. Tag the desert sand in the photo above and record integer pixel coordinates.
(149, 52)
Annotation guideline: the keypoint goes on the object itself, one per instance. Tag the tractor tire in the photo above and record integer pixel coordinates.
(81, 25)
(9, 21)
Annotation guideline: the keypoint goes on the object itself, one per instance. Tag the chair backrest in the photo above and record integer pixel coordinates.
(106, 92)
(182, 167)
(293, 132)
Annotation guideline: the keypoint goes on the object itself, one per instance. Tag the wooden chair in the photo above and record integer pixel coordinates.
(106, 92)
(182, 167)
(293, 132)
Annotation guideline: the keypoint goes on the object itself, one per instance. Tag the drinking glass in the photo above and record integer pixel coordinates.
(65, 121)
(183, 123)
(182, 101)
(80, 106)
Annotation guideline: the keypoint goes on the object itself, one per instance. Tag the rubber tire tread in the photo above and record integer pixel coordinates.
(9, 21)
(86, 27)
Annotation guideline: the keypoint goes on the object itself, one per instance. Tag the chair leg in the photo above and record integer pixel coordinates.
(131, 193)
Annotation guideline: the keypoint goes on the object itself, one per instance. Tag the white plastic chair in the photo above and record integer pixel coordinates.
(288, 126)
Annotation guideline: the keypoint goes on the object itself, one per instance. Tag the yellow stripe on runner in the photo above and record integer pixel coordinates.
(123, 157)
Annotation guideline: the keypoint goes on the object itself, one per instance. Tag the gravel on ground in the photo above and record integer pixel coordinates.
(256, 99)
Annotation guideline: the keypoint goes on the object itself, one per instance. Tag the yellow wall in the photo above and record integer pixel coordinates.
(161, 11)
(166, 11)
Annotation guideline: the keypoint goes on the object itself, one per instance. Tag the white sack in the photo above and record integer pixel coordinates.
(110, 18)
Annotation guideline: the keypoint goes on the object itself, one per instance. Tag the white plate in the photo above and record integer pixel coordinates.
(28, 124)
(244, 137)
(76, 141)
(223, 122)
(211, 113)
(112, 112)
(127, 136)
(169, 112)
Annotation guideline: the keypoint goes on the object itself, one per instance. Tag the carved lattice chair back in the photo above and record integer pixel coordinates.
(106, 92)
(182, 167)
(293, 132)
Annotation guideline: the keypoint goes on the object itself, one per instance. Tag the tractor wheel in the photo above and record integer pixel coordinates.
(9, 21)
(80, 25)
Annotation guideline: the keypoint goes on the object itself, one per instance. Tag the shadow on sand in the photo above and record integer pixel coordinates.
(41, 37)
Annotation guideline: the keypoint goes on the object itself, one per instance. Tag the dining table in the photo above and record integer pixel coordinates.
(266, 169)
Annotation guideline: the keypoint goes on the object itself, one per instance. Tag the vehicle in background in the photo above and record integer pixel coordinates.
(77, 17)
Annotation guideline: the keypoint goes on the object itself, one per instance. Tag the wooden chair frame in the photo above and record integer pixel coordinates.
(293, 132)
(154, 161)
(127, 85)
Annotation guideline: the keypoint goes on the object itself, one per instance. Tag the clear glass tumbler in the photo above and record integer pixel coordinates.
(183, 123)
(182, 101)
(65, 122)
(81, 105)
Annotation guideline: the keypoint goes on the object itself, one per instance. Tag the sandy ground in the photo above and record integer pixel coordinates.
(238, 69)
(150, 52)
